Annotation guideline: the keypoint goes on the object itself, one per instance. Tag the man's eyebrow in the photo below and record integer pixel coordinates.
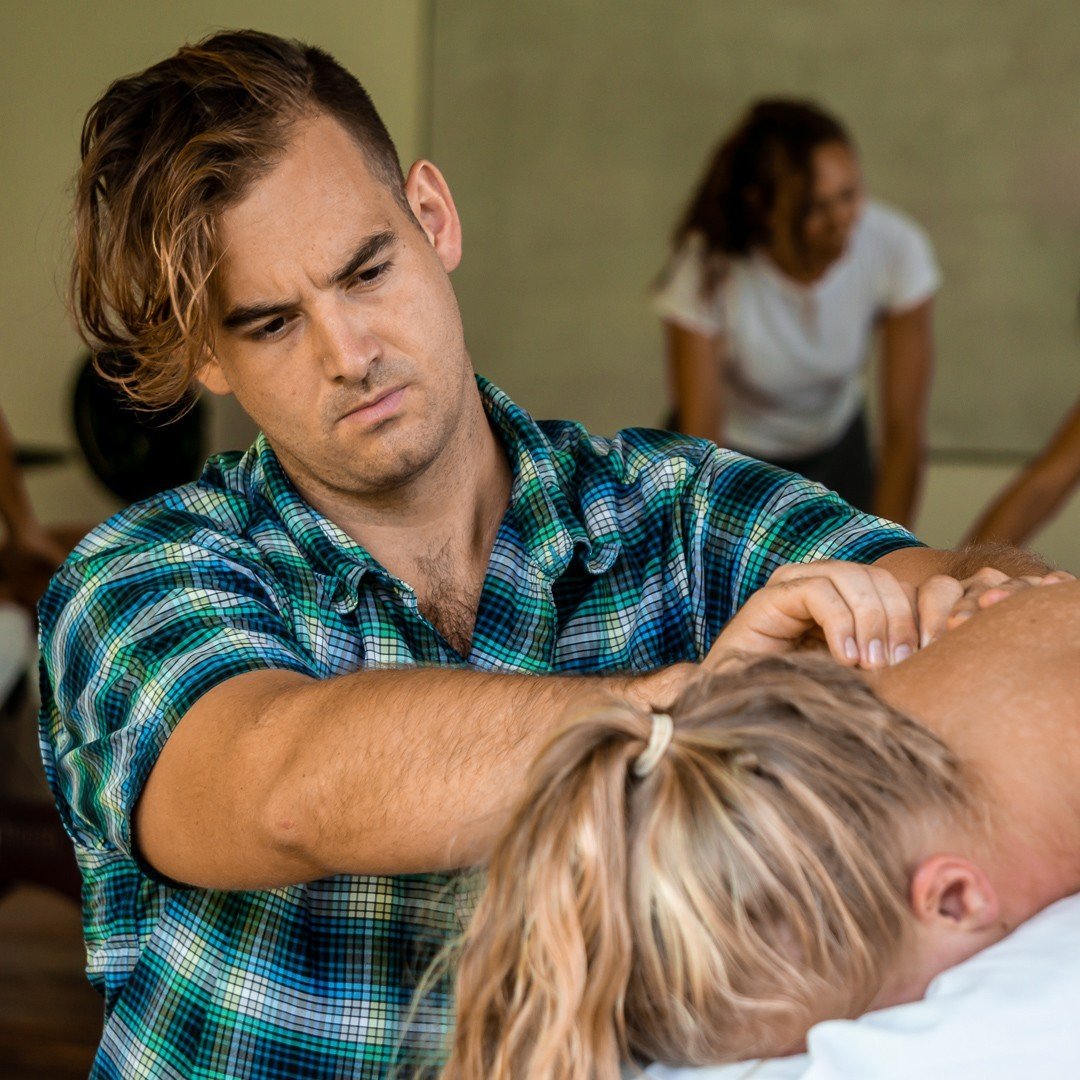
(369, 249)
(238, 317)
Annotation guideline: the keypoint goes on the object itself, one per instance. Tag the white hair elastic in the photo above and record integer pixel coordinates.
(663, 728)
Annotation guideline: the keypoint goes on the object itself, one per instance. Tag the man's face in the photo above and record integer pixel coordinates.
(337, 327)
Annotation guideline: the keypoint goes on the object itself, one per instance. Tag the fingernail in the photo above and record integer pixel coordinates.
(877, 653)
(851, 649)
(901, 653)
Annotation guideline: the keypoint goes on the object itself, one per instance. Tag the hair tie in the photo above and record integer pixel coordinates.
(663, 728)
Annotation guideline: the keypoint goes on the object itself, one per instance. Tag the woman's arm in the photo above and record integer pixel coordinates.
(1040, 489)
(907, 364)
(696, 362)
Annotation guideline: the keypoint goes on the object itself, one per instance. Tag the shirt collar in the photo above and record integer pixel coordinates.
(328, 548)
(554, 513)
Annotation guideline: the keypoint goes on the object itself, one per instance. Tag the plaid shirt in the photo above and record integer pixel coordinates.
(615, 555)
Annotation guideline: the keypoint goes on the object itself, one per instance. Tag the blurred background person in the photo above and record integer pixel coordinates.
(781, 273)
(1038, 492)
(30, 552)
(33, 846)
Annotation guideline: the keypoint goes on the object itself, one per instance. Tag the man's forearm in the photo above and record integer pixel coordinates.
(915, 564)
(273, 778)
(440, 756)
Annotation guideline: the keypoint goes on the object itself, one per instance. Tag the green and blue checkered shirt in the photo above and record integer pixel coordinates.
(615, 555)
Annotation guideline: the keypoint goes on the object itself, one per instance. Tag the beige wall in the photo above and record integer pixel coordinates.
(573, 132)
(524, 97)
(56, 56)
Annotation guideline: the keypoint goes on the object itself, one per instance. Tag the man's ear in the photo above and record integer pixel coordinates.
(951, 893)
(433, 206)
(212, 377)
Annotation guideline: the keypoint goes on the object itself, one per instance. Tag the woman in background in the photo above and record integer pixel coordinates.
(780, 275)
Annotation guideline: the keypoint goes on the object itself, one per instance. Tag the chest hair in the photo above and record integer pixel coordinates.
(448, 597)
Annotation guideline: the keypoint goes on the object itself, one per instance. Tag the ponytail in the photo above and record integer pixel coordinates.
(543, 976)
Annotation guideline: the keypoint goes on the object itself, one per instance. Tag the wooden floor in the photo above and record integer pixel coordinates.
(50, 1018)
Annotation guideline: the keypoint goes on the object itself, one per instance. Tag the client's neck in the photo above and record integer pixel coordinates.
(1000, 691)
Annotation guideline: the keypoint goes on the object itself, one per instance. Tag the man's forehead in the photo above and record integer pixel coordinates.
(321, 171)
(308, 212)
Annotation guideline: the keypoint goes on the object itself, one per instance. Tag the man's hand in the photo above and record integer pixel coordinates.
(865, 615)
(944, 603)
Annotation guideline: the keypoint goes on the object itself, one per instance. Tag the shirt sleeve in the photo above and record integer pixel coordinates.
(911, 273)
(677, 297)
(129, 642)
(743, 519)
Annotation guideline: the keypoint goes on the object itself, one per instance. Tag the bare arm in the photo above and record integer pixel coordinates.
(695, 361)
(907, 364)
(273, 778)
(1038, 492)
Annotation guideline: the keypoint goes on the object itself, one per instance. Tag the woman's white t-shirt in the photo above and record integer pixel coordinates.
(796, 352)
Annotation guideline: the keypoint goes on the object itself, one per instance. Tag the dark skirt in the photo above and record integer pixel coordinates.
(847, 467)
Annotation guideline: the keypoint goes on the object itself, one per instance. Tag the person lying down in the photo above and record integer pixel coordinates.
(798, 843)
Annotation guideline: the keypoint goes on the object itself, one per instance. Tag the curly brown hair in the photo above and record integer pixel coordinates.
(772, 145)
(164, 152)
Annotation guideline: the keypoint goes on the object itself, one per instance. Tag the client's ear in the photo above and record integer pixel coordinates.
(951, 893)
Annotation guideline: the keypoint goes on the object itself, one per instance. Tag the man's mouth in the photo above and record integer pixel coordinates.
(376, 409)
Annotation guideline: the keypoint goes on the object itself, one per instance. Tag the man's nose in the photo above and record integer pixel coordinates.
(347, 350)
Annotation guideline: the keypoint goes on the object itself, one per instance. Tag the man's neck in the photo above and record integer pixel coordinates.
(436, 533)
(456, 510)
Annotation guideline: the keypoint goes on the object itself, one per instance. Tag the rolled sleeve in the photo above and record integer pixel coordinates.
(128, 644)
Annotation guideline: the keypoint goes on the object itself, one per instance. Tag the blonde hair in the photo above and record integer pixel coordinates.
(754, 882)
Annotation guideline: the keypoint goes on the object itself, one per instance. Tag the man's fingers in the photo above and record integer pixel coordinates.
(1056, 577)
(825, 606)
(938, 596)
(885, 626)
(898, 604)
(882, 609)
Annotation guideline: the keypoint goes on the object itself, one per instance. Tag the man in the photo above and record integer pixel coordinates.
(267, 808)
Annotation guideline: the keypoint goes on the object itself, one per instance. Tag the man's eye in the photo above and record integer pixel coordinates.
(372, 273)
(269, 330)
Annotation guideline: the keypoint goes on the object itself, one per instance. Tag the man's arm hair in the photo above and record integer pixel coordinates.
(272, 778)
(915, 564)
